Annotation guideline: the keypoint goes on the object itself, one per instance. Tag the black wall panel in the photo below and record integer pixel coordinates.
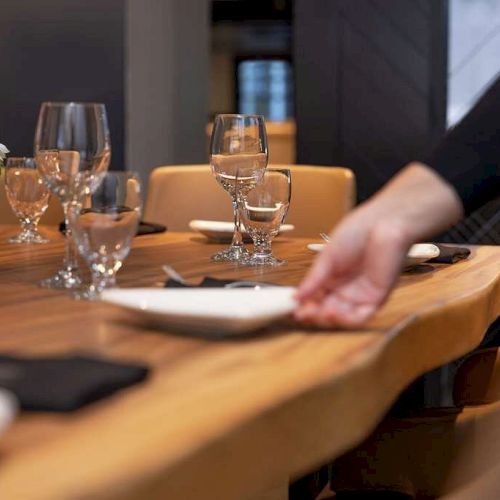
(370, 83)
(60, 50)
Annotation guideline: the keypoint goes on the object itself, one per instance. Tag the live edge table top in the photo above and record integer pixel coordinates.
(220, 418)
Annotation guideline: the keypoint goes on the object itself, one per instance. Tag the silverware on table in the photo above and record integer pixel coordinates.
(173, 274)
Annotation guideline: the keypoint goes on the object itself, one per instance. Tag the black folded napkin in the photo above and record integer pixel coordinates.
(65, 383)
(143, 229)
(207, 282)
(210, 282)
(150, 228)
(450, 254)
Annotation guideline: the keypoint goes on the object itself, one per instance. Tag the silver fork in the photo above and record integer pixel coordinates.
(172, 273)
(325, 237)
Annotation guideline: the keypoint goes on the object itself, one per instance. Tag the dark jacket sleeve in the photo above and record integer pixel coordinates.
(469, 155)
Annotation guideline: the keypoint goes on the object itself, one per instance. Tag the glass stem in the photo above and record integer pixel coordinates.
(237, 239)
(262, 248)
(98, 282)
(110, 278)
(70, 262)
(28, 227)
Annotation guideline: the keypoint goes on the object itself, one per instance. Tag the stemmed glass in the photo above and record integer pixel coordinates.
(28, 197)
(104, 224)
(262, 211)
(71, 140)
(238, 146)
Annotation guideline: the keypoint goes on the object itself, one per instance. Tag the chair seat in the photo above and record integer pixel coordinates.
(477, 381)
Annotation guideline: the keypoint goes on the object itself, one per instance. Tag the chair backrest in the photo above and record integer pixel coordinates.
(52, 217)
(321, 196)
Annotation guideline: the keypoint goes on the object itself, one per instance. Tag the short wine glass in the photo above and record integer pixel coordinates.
(238, 145)
(104, 224)
(71, 138)
(28, 197)
(262, 212)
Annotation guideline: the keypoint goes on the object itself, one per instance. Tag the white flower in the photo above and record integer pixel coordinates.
(3, 153)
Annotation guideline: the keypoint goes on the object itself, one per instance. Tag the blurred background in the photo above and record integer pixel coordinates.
(367, 84)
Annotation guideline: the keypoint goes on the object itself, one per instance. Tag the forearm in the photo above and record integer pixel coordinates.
(417, 202)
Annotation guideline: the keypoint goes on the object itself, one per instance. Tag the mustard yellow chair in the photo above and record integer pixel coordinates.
(321, 196)
(453, 454)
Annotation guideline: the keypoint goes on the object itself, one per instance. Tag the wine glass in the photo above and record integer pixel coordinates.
(71, 140)
(28, 197)
(262, 211)
(104, 224)
(238, 145)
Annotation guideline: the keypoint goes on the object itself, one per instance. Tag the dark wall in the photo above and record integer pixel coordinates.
(167, 82)
(60, 50)
(370, 83)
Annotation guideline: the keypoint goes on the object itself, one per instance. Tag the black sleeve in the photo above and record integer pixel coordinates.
(469, 155)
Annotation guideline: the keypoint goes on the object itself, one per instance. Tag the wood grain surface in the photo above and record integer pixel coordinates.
(220, 418)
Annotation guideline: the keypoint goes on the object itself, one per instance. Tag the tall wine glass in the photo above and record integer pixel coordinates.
(238, 157)
(104, 224)
(71, 142)
(263, 210)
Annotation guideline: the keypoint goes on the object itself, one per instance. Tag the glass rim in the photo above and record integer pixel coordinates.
(60, 104)
(280, 170)
(19, 159)
(238, 115)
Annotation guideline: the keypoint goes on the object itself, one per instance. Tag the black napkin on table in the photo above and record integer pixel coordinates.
(207, 282)
(143, 229)
(210, 282)
(65, 383)
(449, 254)
(150, 228)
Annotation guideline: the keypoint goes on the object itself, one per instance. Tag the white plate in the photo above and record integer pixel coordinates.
(223, 231)
(206, 310)
(8, 408)
(417, 254)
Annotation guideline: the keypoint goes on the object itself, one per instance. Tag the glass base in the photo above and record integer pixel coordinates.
(231, 254)
(65, 279)
(28, 237)
(88, 293)
(267, 260)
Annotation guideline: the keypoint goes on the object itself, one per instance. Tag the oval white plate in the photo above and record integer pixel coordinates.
(223, 231)
(206, 310)
(8, 408)
(418, 253)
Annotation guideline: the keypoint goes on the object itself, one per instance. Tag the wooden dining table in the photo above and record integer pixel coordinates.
(220, 417)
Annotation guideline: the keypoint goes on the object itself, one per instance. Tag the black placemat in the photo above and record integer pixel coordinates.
(449, 254)
(150, 228)
(65, 383)
(207, 282)
(143, 229)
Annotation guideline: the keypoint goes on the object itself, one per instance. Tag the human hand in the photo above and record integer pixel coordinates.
(355, 272)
